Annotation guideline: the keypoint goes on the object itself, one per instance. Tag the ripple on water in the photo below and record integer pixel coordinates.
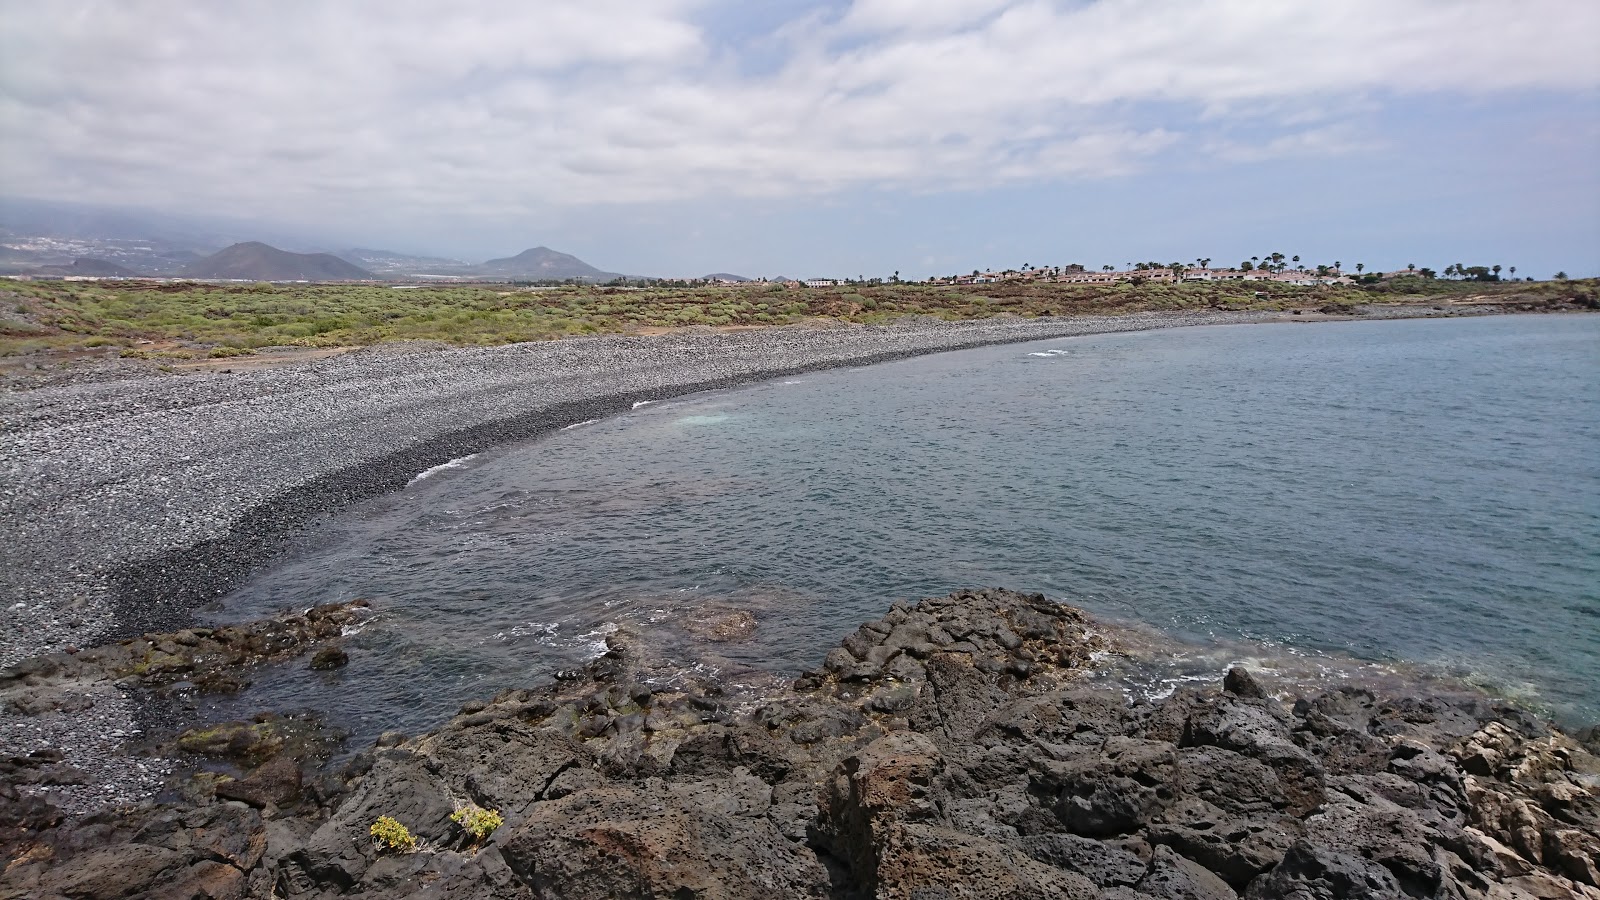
(1336, 499)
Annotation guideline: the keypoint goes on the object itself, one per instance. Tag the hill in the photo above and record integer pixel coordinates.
(544, 264)
(255, 261)
(724, 276)
(86, 266)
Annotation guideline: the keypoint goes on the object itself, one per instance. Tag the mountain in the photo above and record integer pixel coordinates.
(97, 268)
(544, 264)
(255, 261)
(724, 276)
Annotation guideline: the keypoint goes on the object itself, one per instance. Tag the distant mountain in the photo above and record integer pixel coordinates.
(543, 264)
(255, 261)
(724, 276)
(96, 268)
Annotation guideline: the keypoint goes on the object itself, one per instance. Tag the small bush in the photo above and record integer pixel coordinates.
(477, 821)
(391, 835)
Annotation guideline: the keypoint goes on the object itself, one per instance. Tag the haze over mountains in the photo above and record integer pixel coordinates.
(61, 239)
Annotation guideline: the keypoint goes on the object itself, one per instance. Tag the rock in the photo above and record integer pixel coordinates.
(660, 840)
(1313, 872)
(250, 743)
(330, 657)
(274, 784)
(130, 870)
(924, 860)
(1176, 878)
(1101, 863)
(1241, 683)
(1236, 849)
(954, 748)
(723, 626)
(1116, 789)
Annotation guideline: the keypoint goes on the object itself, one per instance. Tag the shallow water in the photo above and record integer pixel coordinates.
(1424, 493)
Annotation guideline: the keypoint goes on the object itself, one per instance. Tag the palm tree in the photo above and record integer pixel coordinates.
(1336, 265)
(1297, 261)
(1107, 267)
(1512, 270)
(1497, 272)
(1359, 267)
(1411, 267)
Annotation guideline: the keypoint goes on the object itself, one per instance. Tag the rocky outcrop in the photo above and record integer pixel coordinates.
(959, 747)
(211, 659)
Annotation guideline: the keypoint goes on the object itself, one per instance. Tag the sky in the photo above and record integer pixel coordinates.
(813, 139)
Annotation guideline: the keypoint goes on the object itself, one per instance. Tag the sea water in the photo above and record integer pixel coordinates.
(1423, 494)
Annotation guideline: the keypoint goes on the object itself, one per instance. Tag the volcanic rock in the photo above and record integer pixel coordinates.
(997, 766)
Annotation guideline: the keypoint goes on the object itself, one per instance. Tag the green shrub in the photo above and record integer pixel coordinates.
(477, 821)
(391, 835)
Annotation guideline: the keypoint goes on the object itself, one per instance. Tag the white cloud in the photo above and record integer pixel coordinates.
(496, 107)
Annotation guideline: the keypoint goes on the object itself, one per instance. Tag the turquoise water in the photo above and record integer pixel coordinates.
(1415, 492)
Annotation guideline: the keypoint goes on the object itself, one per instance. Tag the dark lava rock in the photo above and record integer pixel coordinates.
(957, 747)
(332, 657)
(1240, 683)
(212, 659)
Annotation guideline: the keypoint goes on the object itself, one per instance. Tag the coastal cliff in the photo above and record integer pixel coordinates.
(958, 747)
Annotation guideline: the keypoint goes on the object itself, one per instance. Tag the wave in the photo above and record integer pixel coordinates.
(580, 424)
(1049, 353)
(456, 463)
(644, 403)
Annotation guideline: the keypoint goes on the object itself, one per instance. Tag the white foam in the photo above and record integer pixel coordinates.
(595, 641)
(456, 463)
(579, 424)
(644, 403)
(1049, 353)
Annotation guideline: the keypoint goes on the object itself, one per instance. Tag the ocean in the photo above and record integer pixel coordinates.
(1416, 496)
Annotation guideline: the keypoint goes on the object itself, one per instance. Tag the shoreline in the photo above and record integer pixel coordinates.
(135, 501)
(232, 516)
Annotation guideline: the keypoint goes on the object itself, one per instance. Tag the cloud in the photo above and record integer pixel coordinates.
(497, 108)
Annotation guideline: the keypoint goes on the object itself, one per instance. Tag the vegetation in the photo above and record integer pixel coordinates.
(391, 835)
(188, 319)
(477, 821)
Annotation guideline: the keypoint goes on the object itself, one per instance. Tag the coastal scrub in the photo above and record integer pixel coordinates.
(477, 821)
(391, 835)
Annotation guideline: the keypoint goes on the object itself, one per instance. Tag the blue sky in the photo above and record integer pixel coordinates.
(854, 137)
